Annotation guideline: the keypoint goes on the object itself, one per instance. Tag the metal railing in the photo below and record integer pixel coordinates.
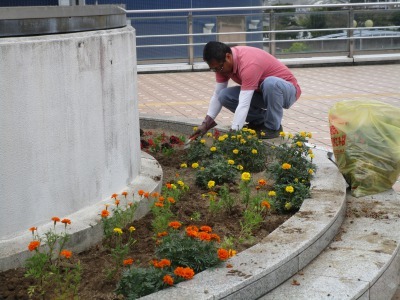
(178, 35)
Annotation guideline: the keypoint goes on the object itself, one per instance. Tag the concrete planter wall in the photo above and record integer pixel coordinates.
(69, 129)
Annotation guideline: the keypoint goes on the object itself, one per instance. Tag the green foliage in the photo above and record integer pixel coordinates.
(50, 266)
(251, 220)
(120, 217)
(137, 282)
(297, 47)
(226, 200)
(292, 167)
(162, 216)
(192, 252)
(218, 170)
(197, 151)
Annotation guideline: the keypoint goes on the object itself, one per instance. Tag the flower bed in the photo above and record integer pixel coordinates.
(204, 203)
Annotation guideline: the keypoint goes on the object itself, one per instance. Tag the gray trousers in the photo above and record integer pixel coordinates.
(266, 107)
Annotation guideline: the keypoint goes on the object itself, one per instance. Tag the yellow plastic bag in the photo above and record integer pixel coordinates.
(365, 138)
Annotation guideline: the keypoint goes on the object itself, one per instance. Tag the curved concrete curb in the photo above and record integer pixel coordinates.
(281, 254)
(86, 228)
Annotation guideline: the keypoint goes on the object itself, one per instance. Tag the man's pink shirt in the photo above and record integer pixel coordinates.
(252, 65)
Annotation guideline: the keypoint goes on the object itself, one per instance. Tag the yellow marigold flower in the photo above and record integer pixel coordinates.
(235, 151)
(240, 167)
(239, 136)
(180, 182)
(245, 129)
(213, 149)
(202, 168)
(233, 137)
(132, 229)
(211, 184)
(272, 193)
(309, 135)
(282, 134)
(118, 230)
(203, 141)
(252, 131)
(209, 134)
(184, 165)
(288, 205)
(262, 133)
(310, 171)
(246, 176)
(225, 136)
(243, 141)
(290, 136)
(195, 165)
(254, 151)
(231, 162)
(289, 189)
(296, 180)
(173, 186)
(311, 155)
(195, 128)
(221, 138)
(231, 252)
(286, 166)
(303, 134)
(300, 144)
(310, 151)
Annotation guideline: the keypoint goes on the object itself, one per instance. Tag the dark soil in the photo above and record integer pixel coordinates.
(96, 260)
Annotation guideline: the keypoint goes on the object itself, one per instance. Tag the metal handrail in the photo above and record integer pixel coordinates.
(349, 8)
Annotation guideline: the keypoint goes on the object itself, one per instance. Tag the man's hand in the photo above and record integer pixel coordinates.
(207, 124)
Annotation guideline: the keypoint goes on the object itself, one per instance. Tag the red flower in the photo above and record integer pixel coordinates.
(167, 279)
(223, 254)
(175, 224)
(128, 262)
(105, 213)
(33, 245)
(66, 253)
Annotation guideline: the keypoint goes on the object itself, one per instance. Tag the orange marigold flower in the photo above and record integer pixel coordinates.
(33, 245)
(192, 227)
(186, 273)
(266, 204)
(141, 192)
(162, 263)
(128, 262)
(66, 253)
(146, 194)
(66, 221)
(124, 193)
(262, 182)
(204, 236)
(223, 254)
(130, 204)
(169, 186)
(116, 202)
(171, 200)
(32, 229)
(105, 213)
(155, 194)
(191, 233)
(161, 234)
(167, 279)
(114, 196)
(159, 204)
(215, 237)
(258, 187)
(55, 219)
(161, 199)
(206, 228)
(175, 224)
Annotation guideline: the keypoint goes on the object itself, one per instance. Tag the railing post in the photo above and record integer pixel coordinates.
(350, 41)
(190, 39)
(272, 45)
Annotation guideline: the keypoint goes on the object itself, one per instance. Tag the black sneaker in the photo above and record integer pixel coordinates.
(267, 133)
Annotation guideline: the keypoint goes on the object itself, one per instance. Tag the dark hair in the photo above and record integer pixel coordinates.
(215, 51)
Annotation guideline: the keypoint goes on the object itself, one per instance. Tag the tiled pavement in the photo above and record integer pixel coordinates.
(186, 95)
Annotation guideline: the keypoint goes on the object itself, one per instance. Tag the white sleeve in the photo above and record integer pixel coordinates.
(242, 109)
(215, 106)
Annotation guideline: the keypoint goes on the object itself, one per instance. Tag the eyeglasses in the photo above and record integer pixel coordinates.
(218, 69)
